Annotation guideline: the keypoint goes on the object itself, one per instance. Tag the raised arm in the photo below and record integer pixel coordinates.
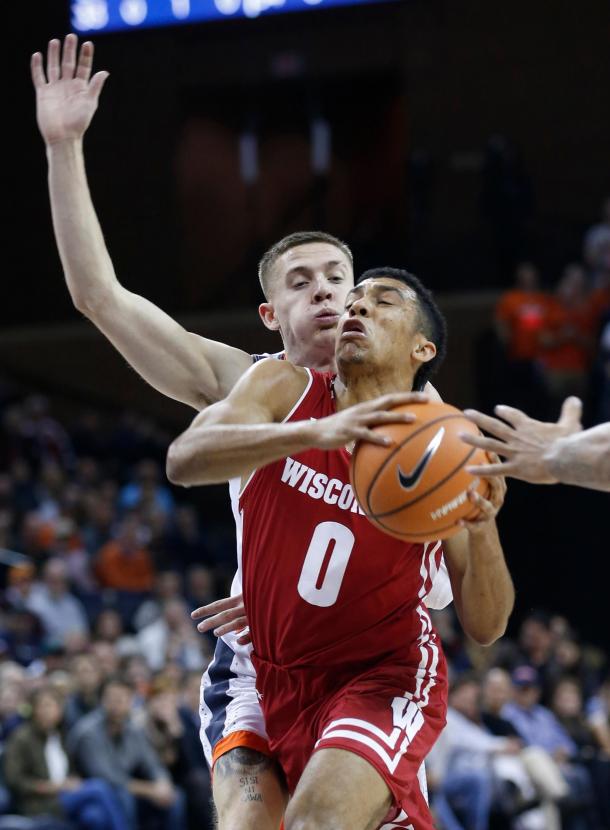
(178, 363)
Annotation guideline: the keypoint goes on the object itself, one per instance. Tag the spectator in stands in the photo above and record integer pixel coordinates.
(460, 763)
(106, 658)
(85, 697)
(41, 779)
(146, 493)
(172, 637)
(138, 674)
(200, 588)
(567, 706)
(168, 585)
(543, 772)
(519, 321)
(567, 336)
(110, 628)
(176, 739)
(539, 727)
(99, 520)
(11, 715)
(183, 543)
(107, 744)
(598, 714)
(61, 613)
(124, 563)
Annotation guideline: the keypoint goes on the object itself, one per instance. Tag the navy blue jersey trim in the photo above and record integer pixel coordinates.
(276, 355)
(216, 696)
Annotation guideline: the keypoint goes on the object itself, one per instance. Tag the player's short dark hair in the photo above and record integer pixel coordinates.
(432, 321)
(293, 240)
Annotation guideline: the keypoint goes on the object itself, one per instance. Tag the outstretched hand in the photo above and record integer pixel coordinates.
(67, 97)
(522, 441)
(224, 616)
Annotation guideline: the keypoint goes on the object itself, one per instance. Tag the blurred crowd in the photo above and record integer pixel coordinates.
(101, 561)
(554, 342)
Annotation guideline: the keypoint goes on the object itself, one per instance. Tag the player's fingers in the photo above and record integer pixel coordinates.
(245, 638)
(97, 83)
(37, 69)
(514, 416)
(497, 491)
(571, 413)
(68, 58)
(236, 625)
(489, 444)
(221, 619)
(217, 606)
(53, 60)
(374, 418)
(489, 424)
(85, 61)
(489, 470)
(363, 434)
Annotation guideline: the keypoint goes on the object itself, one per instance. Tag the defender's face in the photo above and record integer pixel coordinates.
(379, 324)
(307, 296)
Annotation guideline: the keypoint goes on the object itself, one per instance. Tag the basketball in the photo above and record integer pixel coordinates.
(416, 489)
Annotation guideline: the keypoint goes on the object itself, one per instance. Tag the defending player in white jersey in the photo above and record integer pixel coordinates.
(184, 366)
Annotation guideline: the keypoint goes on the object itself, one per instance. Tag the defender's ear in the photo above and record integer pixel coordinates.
(267, 315)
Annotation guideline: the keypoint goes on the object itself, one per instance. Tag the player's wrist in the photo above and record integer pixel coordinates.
(64, 148)
(552, 461)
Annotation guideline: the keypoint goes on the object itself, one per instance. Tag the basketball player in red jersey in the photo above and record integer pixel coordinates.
(315, 272)
(349, 668)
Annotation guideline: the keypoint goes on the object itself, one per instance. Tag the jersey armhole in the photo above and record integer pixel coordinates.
(283, 421)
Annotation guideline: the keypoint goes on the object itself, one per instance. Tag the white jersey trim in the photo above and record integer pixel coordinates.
(283, 421)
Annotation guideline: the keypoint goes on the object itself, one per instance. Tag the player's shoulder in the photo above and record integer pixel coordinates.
(277, 381)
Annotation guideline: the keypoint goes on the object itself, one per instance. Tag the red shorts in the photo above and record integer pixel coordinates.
(386, 715)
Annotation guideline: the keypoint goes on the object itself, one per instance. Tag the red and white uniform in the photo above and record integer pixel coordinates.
(344, 650)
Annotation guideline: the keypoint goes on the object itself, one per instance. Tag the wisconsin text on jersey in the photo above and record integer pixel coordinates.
(318, 486)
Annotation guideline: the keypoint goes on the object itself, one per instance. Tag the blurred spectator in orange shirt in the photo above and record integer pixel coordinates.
(520, 314)
(125, 563)
(519, 319)
(568, 335)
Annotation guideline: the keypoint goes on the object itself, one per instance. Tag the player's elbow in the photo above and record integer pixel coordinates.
(178, 466)
(486, 632)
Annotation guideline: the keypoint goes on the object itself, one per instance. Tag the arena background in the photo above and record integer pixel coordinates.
(413, 92)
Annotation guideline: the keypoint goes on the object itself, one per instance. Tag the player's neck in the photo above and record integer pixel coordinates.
(364, 386)
(318, 359)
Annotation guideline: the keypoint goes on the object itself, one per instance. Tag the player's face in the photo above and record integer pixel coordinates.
(307, 296)
(381, 326)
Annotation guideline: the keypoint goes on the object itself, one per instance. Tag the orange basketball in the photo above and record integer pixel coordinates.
(416, 488)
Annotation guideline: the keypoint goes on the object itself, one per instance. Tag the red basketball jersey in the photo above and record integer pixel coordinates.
(322, 586)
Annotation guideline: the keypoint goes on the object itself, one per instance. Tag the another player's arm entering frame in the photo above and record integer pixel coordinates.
(178, 363)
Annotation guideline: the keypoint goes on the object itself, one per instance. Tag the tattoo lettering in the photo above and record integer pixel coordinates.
(250, 788)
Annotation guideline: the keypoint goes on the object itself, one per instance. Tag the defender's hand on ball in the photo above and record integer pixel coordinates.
(356, 422)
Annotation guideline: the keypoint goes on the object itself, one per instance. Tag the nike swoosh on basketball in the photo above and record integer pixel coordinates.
(410, 480)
